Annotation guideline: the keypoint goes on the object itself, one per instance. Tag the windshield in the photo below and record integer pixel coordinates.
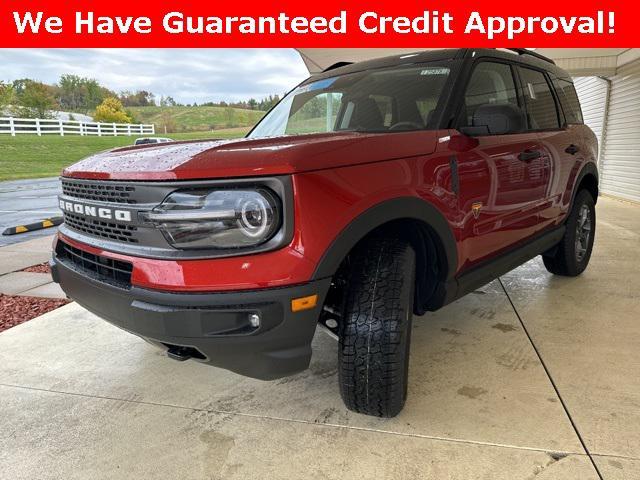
(398, 99)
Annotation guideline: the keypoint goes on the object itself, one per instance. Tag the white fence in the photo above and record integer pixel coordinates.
(40, 126)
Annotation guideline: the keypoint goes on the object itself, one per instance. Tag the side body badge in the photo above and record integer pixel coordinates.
(475, 209)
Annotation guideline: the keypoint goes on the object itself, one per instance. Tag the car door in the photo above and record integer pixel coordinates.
(567, 146)
(544, 117)
(502, 182)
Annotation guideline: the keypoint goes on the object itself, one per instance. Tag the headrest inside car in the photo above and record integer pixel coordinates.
(499, 119)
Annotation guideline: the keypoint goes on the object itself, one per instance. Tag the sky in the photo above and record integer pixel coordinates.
(187, 75)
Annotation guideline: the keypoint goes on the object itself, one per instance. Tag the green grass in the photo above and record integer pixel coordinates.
(197, 119)
(30, 156)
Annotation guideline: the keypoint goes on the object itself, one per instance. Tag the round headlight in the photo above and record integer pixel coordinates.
(197, 219)
(254, 217)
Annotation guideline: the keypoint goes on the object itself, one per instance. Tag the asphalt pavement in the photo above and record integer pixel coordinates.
(27, 201)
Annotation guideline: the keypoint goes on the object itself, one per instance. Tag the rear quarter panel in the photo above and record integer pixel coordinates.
(567, 167)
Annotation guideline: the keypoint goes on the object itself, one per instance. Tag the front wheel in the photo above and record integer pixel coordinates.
(375, 332)
(571, 256)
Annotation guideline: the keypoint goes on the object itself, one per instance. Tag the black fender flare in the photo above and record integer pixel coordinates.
(588, 168)
(395, 209)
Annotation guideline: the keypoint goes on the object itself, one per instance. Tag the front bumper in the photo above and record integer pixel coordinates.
(215, 326)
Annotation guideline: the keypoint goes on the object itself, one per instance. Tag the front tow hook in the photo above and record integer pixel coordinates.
(179, 353)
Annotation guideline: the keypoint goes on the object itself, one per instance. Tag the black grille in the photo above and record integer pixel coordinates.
(103, 269)
(101, 192)
(101, 228)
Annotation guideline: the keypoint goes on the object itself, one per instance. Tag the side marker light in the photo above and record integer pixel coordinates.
(304, 303)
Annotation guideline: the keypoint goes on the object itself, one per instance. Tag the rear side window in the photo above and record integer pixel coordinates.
(542, 113)
(568, 99)
(491, 83)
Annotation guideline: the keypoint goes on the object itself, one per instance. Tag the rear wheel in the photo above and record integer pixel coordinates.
(375, 332)
(571, 257)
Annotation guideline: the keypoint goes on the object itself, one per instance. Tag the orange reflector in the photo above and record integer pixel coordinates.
(303, 303)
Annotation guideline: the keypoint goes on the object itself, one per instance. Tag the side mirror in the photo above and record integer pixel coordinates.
(491, 119)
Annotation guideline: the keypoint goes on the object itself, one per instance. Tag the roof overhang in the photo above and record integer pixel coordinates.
(579, 62)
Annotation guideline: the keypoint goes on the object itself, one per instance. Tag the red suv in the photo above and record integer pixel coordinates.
(372, 192)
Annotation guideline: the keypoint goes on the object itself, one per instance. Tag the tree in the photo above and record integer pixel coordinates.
(268, 103)
(36, 99)
(7, 96)
(76, 93)
(167, 101)
(71, 94)
(95, 94)
(141, 98)
(111, 110)
(20, 84)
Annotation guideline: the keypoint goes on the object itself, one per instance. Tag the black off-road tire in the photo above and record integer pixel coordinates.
(375, 332)
(567, 259)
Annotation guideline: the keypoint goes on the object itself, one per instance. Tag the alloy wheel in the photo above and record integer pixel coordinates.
(583, 232)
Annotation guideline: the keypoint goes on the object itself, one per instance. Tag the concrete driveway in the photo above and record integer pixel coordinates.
(531, 377)
(27, 201)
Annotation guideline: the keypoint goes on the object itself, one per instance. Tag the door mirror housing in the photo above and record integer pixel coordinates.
(492, 119)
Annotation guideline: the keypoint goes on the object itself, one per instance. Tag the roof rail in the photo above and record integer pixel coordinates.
(524, 51)
(336, 65)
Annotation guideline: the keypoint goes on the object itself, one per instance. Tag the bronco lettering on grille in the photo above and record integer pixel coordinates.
(97, 212)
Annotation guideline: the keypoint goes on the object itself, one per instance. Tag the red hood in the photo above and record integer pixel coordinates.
(250, 157)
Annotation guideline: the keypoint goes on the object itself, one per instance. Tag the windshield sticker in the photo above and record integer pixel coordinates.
(435, 71)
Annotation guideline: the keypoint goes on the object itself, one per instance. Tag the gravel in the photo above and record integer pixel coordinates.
(15, 310)
(40, 268)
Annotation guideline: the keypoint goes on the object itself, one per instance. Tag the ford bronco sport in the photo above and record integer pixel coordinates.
(373, 191)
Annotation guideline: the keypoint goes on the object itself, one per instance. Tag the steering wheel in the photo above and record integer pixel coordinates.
(406, 126)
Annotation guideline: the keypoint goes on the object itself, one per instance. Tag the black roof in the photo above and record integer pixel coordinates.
(518, 55)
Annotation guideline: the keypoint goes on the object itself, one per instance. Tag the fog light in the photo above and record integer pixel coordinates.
(254, 320)
(331, 323)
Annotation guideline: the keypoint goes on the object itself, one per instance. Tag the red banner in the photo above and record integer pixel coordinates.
(165, 23)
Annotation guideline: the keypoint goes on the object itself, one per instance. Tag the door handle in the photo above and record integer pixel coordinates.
(529, 155)
(572, 149)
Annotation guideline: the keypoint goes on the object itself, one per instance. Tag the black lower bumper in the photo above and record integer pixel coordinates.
(215, 327)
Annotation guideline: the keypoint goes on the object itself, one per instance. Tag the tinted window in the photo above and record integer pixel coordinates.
(427, 107)
(568, 99)
(385, 100)
(386, 106)
(490, 83)
(541, 107)
(318, 114)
